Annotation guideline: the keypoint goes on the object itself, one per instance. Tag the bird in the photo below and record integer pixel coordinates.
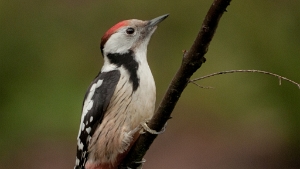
(120, 99)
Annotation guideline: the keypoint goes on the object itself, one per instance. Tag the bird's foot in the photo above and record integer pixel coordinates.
(146, 128)
(139, 162)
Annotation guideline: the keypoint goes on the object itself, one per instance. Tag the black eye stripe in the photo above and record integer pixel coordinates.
(129, 31)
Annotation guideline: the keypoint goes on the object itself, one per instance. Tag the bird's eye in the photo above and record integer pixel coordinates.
(129, 31)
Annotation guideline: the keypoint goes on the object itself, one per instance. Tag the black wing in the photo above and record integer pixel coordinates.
(95, 103)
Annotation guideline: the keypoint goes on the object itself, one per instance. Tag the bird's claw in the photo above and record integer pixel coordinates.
(146, 128)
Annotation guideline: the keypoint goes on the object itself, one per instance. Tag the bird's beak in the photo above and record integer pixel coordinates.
(152, 23)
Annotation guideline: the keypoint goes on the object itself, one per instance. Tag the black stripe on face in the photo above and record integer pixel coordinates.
(130, 64)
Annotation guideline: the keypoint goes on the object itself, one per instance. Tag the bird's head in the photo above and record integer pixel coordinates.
(129, 35)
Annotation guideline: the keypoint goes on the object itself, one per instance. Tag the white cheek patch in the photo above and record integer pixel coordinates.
(118, 43)
(88, 104)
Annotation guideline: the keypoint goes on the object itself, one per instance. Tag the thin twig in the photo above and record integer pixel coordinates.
(252, 71)
(203, 87)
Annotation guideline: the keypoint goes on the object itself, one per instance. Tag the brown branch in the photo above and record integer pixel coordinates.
(191, 62)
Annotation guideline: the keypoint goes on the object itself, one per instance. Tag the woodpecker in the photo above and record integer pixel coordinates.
(120, 99)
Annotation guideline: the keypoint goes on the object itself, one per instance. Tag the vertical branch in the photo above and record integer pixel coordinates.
(191, 62)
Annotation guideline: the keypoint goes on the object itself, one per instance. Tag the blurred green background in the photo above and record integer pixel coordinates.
(49, 53)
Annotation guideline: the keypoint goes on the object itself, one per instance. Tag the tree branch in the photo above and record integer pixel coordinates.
(191, 62)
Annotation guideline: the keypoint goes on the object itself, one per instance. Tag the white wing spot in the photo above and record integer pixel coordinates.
(80, 145)
(88, 106)
(82, 126)
(99, 83)
(77, 161)
(93, 88)
(89, 138)
(91, 118)
(88, 130)
(88, 103)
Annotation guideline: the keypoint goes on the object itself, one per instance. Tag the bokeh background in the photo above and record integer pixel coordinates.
(49, 53)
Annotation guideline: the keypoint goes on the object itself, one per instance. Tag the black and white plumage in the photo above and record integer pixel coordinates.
(121, 97)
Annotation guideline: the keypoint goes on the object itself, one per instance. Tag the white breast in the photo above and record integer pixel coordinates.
(125, 112)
